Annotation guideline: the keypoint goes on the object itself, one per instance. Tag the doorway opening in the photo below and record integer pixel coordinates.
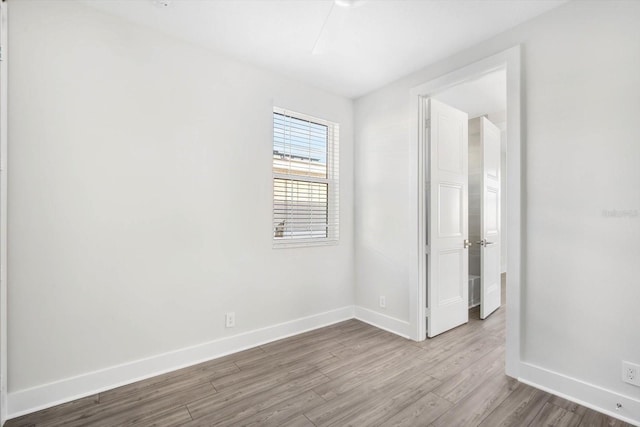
(484, 101)
(442, 205)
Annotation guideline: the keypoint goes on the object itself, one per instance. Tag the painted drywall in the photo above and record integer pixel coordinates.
(581, 253)
(503, 204)
(140, 196)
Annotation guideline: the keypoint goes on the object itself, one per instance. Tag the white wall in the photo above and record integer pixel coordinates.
(503, 204)
(140, 196)
(580, 290)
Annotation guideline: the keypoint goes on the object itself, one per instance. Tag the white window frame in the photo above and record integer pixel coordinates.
(332, 182)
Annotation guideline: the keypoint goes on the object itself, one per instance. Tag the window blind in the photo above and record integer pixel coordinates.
(305, 179)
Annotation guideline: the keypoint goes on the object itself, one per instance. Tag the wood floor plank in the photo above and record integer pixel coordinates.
(390, 403)
(467, 380)
(568, 405)
(290, 350)
(518, 409)
(464, 358)
(55, 413)
(420, 413)
(454, 336)
(299, 421)
(285, 412)
(203, 373)
(119, 413)
(446, 348)
(245, 402)
(476, 406)
(555, 416)
(371, 345)
(366, 397)
(256, 375)
(592, 418)
(161, 389)
(352, 361)
(368, 371)
(493, 325)
(172, 417)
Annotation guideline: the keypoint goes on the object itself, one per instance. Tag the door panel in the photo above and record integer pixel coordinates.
(450, 201)
(447, 219)
(490, 282)
(491, 255)
(492, 211)
(449, 140)
(450, 277)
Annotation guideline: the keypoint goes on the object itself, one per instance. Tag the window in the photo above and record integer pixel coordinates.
(305, 180)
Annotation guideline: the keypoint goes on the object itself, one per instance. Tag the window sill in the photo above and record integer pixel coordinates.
(304, 244)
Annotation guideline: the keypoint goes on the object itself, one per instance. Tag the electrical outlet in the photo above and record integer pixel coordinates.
(631, 373)
(383, 302)
(230, 320)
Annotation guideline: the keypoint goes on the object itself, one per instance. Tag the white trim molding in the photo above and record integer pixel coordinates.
(33, 399)
(3, 210)
(592, 396)
(382, 321)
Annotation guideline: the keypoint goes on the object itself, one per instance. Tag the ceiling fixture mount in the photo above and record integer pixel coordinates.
(348, 4)
(337, 15)
(162, 3)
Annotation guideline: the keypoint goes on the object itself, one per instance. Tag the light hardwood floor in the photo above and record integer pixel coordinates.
(348, 374)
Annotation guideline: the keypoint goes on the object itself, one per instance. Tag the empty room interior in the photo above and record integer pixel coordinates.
(319, 212)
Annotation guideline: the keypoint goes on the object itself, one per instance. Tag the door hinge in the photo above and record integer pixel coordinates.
(427, 123)
(1, 54)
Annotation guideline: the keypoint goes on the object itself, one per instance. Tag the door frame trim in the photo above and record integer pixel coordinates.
(3, 211)
(510, 60)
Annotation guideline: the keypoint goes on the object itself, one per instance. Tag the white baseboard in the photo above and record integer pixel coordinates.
(33, 399)
(583, 393)
(382, 321)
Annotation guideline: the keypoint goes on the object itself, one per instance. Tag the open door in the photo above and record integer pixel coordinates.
(490, 282)
(447, 218)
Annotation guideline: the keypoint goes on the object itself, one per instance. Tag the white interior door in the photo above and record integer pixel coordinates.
(447, 218)
(490, 283)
